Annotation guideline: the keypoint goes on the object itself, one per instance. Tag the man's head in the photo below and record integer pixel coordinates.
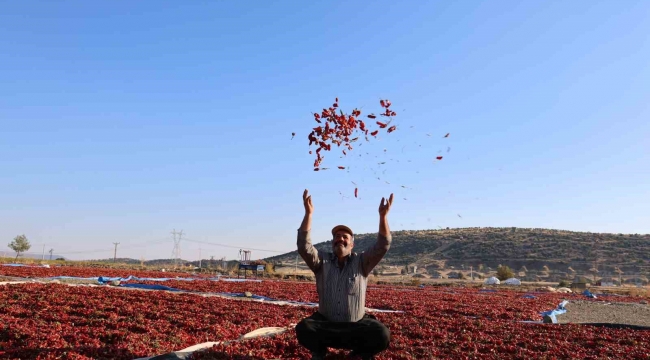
(342, 241)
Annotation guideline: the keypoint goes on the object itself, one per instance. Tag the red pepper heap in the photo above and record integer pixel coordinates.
(339, 128)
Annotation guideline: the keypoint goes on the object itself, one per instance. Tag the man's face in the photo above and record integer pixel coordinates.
(342, 244)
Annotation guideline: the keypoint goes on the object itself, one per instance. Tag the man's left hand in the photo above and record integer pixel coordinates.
(384, 205)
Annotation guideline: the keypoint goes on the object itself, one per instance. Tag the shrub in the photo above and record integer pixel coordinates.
(504, 273)
(564, 283)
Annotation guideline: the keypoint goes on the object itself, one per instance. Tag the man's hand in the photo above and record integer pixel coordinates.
(306, 199)
(384, 205)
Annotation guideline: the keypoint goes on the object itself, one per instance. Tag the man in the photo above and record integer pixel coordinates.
(341, 279)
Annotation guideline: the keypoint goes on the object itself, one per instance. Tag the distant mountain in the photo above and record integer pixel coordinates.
(533, 249)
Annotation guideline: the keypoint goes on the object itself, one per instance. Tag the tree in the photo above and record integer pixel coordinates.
(504, 273)
(375, 272)
(20, 245)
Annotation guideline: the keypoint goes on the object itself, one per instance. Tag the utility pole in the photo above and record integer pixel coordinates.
(295, 272)
(43, 258)
(115, 253)
(471, 272)
(51, 251)
(200, 259)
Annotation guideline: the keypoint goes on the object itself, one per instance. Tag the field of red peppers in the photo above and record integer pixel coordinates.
(47, 321)
(43, 272)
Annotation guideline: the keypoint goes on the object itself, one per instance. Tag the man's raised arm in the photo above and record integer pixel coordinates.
(373, 256)
(306, 250)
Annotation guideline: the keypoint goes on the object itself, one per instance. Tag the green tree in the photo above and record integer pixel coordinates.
(504, 273)
(20, 245)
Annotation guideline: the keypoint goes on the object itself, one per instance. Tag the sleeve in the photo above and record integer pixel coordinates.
(372, 257)
(308, 252)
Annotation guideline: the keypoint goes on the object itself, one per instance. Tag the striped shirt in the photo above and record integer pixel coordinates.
(341, 292)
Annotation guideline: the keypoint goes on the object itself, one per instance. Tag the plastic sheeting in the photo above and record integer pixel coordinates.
(107, 279)
(550, 316)
(588, 294)
(71, 278)
(512, 281)
(492, 281)
(240, 295)
(528, 296)
(16, 265)
(150, 287)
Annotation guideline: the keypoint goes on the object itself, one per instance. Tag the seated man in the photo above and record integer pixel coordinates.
(341, 279)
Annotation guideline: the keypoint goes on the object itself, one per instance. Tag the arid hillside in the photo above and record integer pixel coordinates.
(531, 250)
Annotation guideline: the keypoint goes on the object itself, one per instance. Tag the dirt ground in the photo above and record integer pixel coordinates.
(606, 312)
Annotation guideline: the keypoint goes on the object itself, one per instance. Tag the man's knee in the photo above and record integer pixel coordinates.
(379, 336)
(383, 339)
(304, 330)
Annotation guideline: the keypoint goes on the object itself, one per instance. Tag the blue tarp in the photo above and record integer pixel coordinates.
(550, 316)
(527, 296)
(20, 265)
(105, 279)
(588, 294)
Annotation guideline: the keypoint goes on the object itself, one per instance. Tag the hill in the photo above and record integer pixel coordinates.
(519, 248)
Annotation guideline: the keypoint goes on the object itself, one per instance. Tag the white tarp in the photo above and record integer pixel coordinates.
(492, 281)
(512, 281)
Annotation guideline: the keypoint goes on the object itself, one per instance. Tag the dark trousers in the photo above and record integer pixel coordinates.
(366, 337)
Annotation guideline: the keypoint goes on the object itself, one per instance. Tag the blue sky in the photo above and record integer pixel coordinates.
(122, 121)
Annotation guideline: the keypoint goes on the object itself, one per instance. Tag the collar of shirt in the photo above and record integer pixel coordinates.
(335, 260)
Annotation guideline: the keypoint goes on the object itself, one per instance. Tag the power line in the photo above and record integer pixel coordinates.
(107, 249)
(233, 246)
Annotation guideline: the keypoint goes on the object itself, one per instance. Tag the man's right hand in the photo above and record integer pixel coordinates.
(306, 199)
